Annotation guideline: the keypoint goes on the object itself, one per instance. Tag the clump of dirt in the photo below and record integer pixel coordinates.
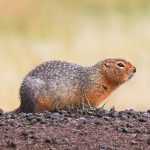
(76, 130)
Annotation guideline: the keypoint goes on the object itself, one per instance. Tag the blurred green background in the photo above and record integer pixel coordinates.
(79, 31)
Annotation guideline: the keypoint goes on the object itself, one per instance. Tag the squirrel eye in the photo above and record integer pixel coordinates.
(120, 64)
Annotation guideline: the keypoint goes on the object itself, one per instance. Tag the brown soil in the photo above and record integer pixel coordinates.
(76, 130)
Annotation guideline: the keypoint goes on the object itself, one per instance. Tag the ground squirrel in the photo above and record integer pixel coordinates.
(60, 85)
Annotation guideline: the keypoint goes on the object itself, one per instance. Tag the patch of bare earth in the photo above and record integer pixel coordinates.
(76, 130)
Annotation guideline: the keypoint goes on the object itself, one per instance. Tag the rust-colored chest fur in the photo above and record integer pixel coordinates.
(96, 95)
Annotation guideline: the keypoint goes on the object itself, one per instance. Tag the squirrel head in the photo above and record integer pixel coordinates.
(117, 71)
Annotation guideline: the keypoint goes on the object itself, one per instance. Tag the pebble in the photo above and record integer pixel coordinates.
(12, 143)
(2, 124)
(65, 140)
(148, 111)
(125, 129)
(8, 116)
(33, 136)
(39, 119)
(13, 116)
(131, 112)
(133, 142)
(43, 121)
(51, 140)
(29, 114)
(82, 120)
(55, 123)
(98, 122)
(112, 109)
(23, 115)
(103, 147)
(55, 114)
(34, 120)
(130, 125)
(27, 132)
(124, 117)
(148, 141)
(137, 130)
(115, 114)
(142, 120)
(107, 118)
(1, 112)
(63, 112)
(47, 140)
(148, 131)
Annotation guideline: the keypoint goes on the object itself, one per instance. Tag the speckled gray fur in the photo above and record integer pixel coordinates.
(57, 79)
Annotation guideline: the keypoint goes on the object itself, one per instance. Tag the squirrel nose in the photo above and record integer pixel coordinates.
(134, 69)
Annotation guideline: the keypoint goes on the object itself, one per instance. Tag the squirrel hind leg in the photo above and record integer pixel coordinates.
(29, 93)
(45, 104)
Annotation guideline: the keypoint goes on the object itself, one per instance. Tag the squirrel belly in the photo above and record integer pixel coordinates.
(61, 85)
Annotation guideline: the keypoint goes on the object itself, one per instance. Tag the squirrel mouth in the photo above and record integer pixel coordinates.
(130, 76)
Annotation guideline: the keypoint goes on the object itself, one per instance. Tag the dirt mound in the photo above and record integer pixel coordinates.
(76, 130)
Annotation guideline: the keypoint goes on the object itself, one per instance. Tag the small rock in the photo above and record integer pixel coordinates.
(52, 148)
(142, 120)
(148, 131)
(82, 120)
(54, 123)
(65, 140)
(55, 114)
(112, 109)
(80, 126)
(8, 116)
(133, 142)
(148, 141)
(131, 112)
(29, 118)
(138, 131)
(39, 119)
(29, 114)
(90, 113)
(47, 140)
(98, 122)
(27, 133)
(43, 121)
(2, 124)
(103, 147)
(148, 111)
(51, 140)
(12, 143)
(125, 129)
(13, 116)
(23, 115)
(49, 113)
(124, 117)
(34, 136)
(1, 112)
(106, 118)
(99, 115)
(34, 120)
(145, 114)
(115, 114)
(130, 125)
(63, 112)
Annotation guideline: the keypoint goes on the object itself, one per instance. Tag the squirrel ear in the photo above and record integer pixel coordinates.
(107, 65)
